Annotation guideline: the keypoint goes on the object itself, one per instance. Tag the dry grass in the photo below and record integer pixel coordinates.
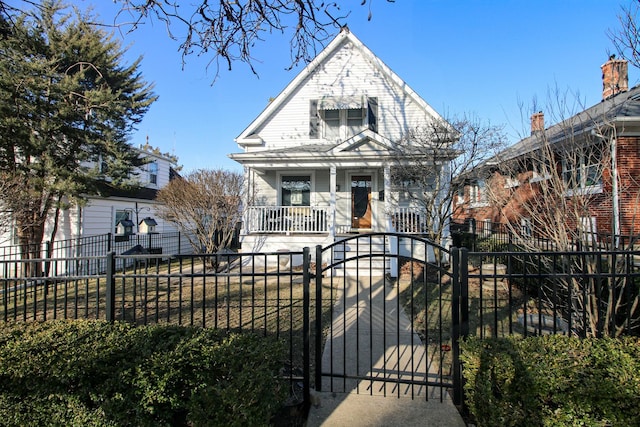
(268, 302)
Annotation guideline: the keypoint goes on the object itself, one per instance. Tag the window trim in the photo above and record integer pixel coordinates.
(152, 170)
(344, 128)
(581, 167)
(312, 189)
(477, 197)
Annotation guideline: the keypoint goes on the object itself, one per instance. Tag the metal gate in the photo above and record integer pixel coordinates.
(386, 306)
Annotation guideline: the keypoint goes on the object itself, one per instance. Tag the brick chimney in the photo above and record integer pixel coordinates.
(614, 77)
(537, 122)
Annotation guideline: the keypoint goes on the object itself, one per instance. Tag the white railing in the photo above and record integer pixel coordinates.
(409, 220)
(287, 219)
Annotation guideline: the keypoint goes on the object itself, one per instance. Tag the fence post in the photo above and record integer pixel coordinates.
(318, 330)
(306, 368)
(110, 305)
(459, 316)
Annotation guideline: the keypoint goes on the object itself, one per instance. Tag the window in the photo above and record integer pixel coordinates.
(583, 173)
(477, 193)
(331, 124)
(540, 168)
(525, 227)
(339, 118)
(296, 190)
(460, 194)
(153, 172)
(340, 125)
(487, 227)
(511, 182)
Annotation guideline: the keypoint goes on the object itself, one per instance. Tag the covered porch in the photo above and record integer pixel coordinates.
(332, 201)
(324, 191)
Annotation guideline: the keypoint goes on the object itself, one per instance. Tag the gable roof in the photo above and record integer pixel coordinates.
(249, 137)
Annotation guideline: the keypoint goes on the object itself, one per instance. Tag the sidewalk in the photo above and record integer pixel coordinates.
(366, 340)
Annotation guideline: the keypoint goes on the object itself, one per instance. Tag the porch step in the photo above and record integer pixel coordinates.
(371, 261)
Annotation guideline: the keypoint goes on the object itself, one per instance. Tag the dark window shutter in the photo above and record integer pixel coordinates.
(314, 119)
(372, 114)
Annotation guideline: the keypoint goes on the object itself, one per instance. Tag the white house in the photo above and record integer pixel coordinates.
(102, 214)
(318, 160)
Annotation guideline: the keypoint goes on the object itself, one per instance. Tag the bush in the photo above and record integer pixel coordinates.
(96, 373)
(552, 381)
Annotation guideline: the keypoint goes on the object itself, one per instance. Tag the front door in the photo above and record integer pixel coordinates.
(361, 201)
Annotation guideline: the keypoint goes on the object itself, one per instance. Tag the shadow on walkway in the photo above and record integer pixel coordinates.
(371, 339)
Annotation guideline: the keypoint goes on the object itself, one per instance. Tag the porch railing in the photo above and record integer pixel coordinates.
(409, 220)
(287, 219)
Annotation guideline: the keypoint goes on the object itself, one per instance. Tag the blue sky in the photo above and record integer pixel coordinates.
(483, 58)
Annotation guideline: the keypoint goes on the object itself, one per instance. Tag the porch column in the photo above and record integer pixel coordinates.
(387, 199)
(248, 184)
(332, 202)
(392, 241)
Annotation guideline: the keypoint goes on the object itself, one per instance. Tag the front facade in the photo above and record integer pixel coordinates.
(580, 175)
(318, 160)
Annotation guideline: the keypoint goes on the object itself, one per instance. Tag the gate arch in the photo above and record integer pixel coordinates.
(387, 316)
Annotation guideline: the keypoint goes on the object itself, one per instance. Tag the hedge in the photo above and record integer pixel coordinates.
(94, 373)
(552, 381)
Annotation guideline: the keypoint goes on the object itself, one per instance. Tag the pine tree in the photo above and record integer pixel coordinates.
(67, 108)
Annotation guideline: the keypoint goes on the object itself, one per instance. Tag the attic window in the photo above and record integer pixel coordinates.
(337, 119)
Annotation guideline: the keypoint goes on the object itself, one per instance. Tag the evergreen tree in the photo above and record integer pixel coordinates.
(67, 107)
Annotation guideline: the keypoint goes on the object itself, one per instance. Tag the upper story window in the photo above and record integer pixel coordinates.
(460, 195)
(296, 190)
(583, 173)
(337, 119)
(152, 168)
(478, 193)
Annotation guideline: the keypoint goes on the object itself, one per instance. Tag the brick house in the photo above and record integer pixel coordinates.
(580, 175)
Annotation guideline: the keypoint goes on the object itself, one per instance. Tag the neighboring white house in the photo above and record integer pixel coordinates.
(102, 214)
(318, 159)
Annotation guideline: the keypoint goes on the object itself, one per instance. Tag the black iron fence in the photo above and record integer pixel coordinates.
(582, 293)
(99, 245)
(486, 293)
(494, 236)
(262, 293)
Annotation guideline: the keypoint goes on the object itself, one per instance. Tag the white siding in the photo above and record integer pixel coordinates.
(346, 73)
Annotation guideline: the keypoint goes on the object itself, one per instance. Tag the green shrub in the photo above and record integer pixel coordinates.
(96, 373)
(552, 381)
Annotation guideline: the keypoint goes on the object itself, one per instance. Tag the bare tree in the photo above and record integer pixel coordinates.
(206, 205)
(626, 38)
(547, 190)
(227, 31)
(431, 157)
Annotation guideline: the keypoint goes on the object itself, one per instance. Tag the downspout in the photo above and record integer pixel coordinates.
(615, 191)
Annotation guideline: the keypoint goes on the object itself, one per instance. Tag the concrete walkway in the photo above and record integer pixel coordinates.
(371, 337)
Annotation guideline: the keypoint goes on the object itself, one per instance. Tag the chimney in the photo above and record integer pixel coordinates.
(537, 122)
(614, 77)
